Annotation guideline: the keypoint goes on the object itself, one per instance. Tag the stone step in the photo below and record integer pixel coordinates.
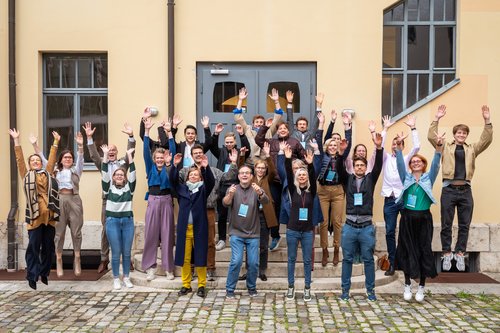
(279, 255)
(282, 245)
(275, 269)
(281, 283)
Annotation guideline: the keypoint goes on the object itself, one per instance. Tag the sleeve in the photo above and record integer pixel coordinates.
(261, 136)
(329, 131)
(435, 167)
(289, 118)
(401, 166)
(21, 165)
(348, 137)
(431, 134)
(94, 155)
(315, 124)
(377, 167)
(341, 171)
(290, 176)
(52, 159)
(148, 160)
(485, 139)
(142, 129)
(132, 177)
(172, 146)
(214, 145)
(79, 163)
(271, 169)
(371, 161)
(312, 179)
(174, 176)
(162, 135)
(238, 118)
(130, 145)
(209, 180)
(208, 140)
(105, 179)
(416, 146)
(245, 143)
(280, 161)
(276, 119)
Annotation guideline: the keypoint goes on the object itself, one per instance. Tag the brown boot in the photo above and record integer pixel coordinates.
(103, 266)
(324, 259)
(59, 265)
(77, 264)
(335, 256)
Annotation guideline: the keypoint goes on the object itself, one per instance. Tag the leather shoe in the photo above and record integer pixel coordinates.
(44, 280)
(201, 292)
(132, 268)
(103, 266)
(32, 284)
(263, 277)
(324, 258)
(336, 256)
(243, 277)
(390, 271)
(184, 291)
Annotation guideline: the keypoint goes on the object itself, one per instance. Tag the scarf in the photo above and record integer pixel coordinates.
(194, 186)
(30, 190)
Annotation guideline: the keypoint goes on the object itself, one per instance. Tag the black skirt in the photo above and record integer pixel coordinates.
(414, 251)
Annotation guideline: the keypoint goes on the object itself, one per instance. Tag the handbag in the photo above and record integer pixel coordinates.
(383, 263)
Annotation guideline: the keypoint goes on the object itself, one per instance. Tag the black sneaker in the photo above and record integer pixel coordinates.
(263, 277)
(184, 291)
(201, 292)
(230, 294)
(252, 292)
(243, 277)
(390, 271)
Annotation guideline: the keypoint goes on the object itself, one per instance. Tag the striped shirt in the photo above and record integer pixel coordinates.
(118, 200)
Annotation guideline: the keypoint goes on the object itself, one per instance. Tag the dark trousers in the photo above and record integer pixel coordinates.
(461, 198)
(391, 211)
(276, 189)
(222, 219)
(39, 253)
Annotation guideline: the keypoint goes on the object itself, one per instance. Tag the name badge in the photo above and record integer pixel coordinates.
(226, 167)
(330, 176)
(187, 161)
(260, 206)
(303, 214)
(411, 201)
(358, 199)
(195, 190)
(243, 210)
(303, 143)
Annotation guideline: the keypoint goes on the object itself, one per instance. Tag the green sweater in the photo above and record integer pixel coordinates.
(118, 200)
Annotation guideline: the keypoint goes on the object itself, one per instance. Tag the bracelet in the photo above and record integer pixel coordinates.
(414, 129)
(131, 136)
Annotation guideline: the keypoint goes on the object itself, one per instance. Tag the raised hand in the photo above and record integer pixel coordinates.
(289, 96)
(89, 131)
(176, 120)
(439, 141)
(167, 125)
(243, 151)
(269, 122)
(377, 140)
(400, 137)
(257, 189)
(146, 113)
(79, 139)
(410, 121)
(168, 156)
(56, 136)
(14, 133)
(204, 161)
(319, 99)
(314, 145)
(441, 112)
(371, 126)
(342, 146)
(386, 121)
(309, 156)
(283, 145)
(274, 95)
(233, 155)
(127, 129)
(333, 115)
(321, 117)
(239, 129)
(219, 128)
(346, 118)
(148, 123)
(486, 113)
(288, 151)
(232, 189)
(242, 94)
(177, 159)
(105, 149)
(205, 121)
(130, 155)
(267, 149)
(33, 139)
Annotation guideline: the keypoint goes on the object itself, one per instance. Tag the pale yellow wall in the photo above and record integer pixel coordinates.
(343, 37)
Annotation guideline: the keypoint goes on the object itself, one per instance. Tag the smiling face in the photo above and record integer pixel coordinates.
(258, 122)
(260, 169)
(418, 164)
(360, 150)
(245, 176)
(332, 147)
(460, 136)
(159, 159)
(113, 153)
(67, 161)
(230, 142)
(302, 125)
(119, 178)
(197, 155)
(336, 137)
(302, 177)
(194, 175)
(35, 162)
(283, 131)
(190, 135)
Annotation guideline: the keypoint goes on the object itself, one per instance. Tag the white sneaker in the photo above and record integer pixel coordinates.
(127, 283)
(220, 245)
(170, 276)
(151, 274)
(407, 295)
(460, 262)
(117, 284)
(447, 261)
(419, 296)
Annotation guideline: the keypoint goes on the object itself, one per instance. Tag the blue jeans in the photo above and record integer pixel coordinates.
(352, 239)
(238, 244)
(120, 232)
(306, 239)
(391, 211)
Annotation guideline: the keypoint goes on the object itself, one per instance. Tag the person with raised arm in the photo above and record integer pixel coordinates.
(191, 139)
(414, 254)
(119, 192)
(42, 209)
(113, 163)
(300, 128)
(459, 159)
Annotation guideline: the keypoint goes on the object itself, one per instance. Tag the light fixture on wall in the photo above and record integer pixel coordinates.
(153, 110)
(217, 70)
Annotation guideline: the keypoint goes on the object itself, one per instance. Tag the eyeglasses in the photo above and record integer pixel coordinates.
(244, 173)
(416, 162)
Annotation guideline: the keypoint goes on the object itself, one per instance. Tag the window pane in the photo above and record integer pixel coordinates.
(418, 47)
(411, 96)
(226, 96)
(438, 10)
(68, 73)
(52, 69)
(398, 13)
(283, 87)
(392, 94)
(386, 94)
(423, 86)
(448, 78)
(450, 10)
(59, 118)
(101, 71)
(437, 82)
(84, 68)
(388, 16)
(95, 110)
(392, 47)
(444, 47)
(412, 6)
(424, 10)
(397, 94)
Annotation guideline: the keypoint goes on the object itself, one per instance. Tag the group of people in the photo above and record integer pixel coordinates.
(284, 173)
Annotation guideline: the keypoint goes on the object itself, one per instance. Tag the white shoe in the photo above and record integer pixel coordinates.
(117, 284)
(127, 283)
(170, 276)
(220, 245)
(447, 261)
(460, 262)
(419, 296)
(151, 274)
(407, 295)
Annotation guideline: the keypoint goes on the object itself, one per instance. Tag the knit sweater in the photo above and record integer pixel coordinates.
(118, 200)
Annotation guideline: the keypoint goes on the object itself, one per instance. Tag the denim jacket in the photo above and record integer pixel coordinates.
(426, 180)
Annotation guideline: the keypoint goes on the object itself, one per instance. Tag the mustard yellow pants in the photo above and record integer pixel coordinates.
(186, 268)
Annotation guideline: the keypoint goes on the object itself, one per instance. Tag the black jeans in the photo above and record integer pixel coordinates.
(222, 219)
(461, 198)
(276, 189)
(41, 249)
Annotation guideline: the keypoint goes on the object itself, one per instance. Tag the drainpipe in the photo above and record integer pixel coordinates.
(171, 62)
(11, 219)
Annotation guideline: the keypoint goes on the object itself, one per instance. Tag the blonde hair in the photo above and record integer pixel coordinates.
(296, 180)
(327, 143)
